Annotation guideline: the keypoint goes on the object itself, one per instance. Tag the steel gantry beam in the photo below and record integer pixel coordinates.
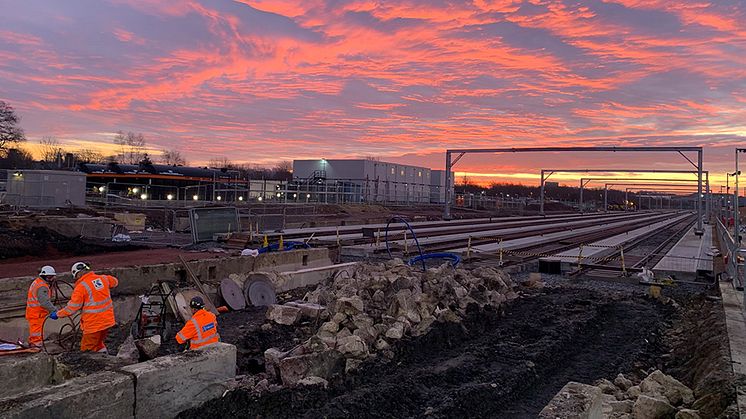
(698, 173)
(626, 197)
(586, 181)
(613, 149)
(673, 191)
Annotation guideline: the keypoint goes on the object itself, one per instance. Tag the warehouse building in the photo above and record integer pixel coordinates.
(364, 180)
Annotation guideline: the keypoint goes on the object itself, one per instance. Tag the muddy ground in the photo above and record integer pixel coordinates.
(498, 366)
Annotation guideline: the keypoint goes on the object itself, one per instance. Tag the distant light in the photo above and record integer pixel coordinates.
(220, 198)
(101, 188)
(144, 196)
(308, 195)
(240, 198)
(195, 197)
(259, 199)
(17, 174)
(278, 194)
(135, 190)
(295, 195)
(169, 197)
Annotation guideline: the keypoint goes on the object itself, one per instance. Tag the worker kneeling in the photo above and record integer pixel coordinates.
(202, 329)
(92, 295)
(38, 305)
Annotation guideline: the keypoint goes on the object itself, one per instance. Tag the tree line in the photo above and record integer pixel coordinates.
(131, 148)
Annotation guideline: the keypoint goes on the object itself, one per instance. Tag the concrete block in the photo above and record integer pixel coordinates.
(21, 373)
(320, 364)
(574, 401)
(170, 384)
(105, 394)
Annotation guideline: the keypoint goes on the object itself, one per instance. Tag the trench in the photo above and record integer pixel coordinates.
(492, 365)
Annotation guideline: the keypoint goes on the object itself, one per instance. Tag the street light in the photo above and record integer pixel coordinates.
(101, 189)
(240, 198)
(169, 197)
(144, 196)
(135, 190)
(259, 199)
(220, 198)
(195, 197)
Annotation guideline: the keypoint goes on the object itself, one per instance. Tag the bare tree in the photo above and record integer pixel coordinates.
(10, 132)
(86, 155)
(50, 149)
(220, 163)
(131, 147)
(172, 157)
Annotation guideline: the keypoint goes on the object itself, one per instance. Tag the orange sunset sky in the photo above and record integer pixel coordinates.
(263, 81)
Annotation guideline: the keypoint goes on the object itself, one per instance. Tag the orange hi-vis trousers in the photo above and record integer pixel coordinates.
(94, 342)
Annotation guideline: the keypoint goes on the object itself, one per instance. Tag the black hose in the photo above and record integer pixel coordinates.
(386, 237)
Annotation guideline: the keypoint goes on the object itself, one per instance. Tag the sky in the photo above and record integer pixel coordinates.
(264, 81)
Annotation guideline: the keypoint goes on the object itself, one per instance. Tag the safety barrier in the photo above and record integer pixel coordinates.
(733, 268)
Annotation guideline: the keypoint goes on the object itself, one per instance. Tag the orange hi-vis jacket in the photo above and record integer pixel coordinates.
(92, 295)
(201, 330)
(34, 308)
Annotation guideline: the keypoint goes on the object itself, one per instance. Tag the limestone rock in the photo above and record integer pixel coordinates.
(448, 316)
(331, 327)
(282, 314)
(313, 381)
(322, 364)
(272, 357)
(396, 331)
(622, 406)
(634, 392)
(688, 414)
(148, 347)
(308, 310)
(673, 390)
(350, 305)
(128, 350)
(352, 365)
(353, 347)
(651, 407)
(382, 345)
(606, 386)
(622, 382)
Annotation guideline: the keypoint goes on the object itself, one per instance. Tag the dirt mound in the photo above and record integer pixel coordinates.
(486, 366)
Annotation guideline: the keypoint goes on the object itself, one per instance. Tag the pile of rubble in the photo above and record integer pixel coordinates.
(362, 311)
(658, 396)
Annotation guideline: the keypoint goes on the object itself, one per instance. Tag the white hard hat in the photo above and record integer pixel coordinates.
(47, 271)
(79, 266)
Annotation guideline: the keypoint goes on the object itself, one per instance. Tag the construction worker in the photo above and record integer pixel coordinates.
(202, 329)
(38, 305)
(91, 294)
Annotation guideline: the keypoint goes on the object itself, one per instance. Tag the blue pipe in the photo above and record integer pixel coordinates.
(452, 257)
(289, 245)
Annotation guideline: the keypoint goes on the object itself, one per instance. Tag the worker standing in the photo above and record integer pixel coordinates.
(38, 305)
(91, 294)
(202, 329)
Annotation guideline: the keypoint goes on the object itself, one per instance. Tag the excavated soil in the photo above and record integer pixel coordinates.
(488, 366)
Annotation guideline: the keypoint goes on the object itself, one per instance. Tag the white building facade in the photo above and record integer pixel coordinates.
(375, 181)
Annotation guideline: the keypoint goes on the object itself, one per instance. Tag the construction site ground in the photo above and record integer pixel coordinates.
(511, 363)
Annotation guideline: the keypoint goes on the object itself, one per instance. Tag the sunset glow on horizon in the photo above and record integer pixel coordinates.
(264, 81)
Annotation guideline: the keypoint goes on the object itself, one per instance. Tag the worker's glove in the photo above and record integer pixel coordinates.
(53, 315)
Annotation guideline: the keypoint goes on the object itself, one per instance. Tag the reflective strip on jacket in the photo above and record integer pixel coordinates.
(34, 309)
(201, 330)
(92, 295)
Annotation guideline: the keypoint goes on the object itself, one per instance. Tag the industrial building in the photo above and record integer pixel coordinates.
(364, 180)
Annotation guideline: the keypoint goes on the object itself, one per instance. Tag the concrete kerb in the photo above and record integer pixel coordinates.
(167, 385)
(22, 374)
(160, 388)
(106, 394)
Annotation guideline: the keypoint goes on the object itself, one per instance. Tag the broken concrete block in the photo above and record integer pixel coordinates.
(283, 314)
(148, 347)
(673, 390)
(330, 327)
(634, 392)
(173, 383)
(624, 406)
(396, 331)
(313, 381)
(352, 365)
(574, 400)
(308, 310)
(105, 394)
(353, 347)
(688, 414)
(606, 386)
(622, 382)
(367, 334)
(320, 364)
(652, 407)
(128, 350)
(272, 357)
(23, 373)
(382, 345)
(350, 305)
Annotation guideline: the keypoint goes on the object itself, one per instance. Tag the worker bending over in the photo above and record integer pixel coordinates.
(202, 329)
(91, 294)
(38, 305)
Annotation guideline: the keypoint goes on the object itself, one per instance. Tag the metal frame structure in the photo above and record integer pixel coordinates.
(698, 172)
(669, 191)
(586, 181)
(626, 197)
(461, 152)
